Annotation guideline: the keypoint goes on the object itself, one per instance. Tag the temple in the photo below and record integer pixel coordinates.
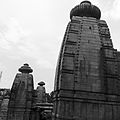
(23, 102)
(87, 78)
(87, 85)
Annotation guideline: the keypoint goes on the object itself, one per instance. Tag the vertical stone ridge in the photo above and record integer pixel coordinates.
(59, 61)
(110, 60)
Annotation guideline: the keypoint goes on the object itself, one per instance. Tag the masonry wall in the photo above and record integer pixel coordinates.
(20, 102)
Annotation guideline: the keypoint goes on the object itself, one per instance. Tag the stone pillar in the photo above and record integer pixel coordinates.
(20, 102)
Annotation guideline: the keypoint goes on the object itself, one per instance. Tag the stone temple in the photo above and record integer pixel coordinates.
(23, 102)
(87, 82)
(87, 79)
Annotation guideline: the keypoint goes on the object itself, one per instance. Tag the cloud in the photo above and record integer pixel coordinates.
(14, 32)
(114, 11)
(95, 2)
(44, 63)
(3, 43)
(19, 44)
(35, 52)
(10, 33)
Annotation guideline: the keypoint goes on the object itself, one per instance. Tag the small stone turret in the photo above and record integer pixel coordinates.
(41, 93)
(42, 109)
(41, 83)
(20, 102)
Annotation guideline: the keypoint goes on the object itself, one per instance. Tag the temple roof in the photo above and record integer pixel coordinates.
(25, 69)
(86, 9)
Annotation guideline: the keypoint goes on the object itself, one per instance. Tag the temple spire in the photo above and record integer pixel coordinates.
(25, 69)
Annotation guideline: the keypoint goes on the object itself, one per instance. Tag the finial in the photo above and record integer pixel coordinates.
(41, 83)
(86, 1)
(25, 69)
(86, 9)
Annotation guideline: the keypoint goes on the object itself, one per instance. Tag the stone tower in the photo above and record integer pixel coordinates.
(87, 82)
(20, 102)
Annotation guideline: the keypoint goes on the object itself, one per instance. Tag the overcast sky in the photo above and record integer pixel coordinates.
(31, 31)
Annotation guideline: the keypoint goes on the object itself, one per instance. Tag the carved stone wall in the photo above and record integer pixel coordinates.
(87, 74)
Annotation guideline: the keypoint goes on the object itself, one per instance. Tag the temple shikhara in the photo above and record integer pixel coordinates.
(87, 78)
(87, 83)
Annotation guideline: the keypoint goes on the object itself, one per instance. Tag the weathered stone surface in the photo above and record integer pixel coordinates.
(4, 99)
(41, 93)
(4, 108)
(87, 76)
(20, 102)
(42, 106)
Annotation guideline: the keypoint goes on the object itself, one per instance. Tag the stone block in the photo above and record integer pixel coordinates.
(68, 63)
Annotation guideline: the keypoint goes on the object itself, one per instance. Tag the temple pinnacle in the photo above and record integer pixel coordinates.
(41, 83)
(86, 9)
(25, 69)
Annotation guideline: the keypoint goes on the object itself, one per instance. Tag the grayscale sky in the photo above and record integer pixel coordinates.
(31, 31)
